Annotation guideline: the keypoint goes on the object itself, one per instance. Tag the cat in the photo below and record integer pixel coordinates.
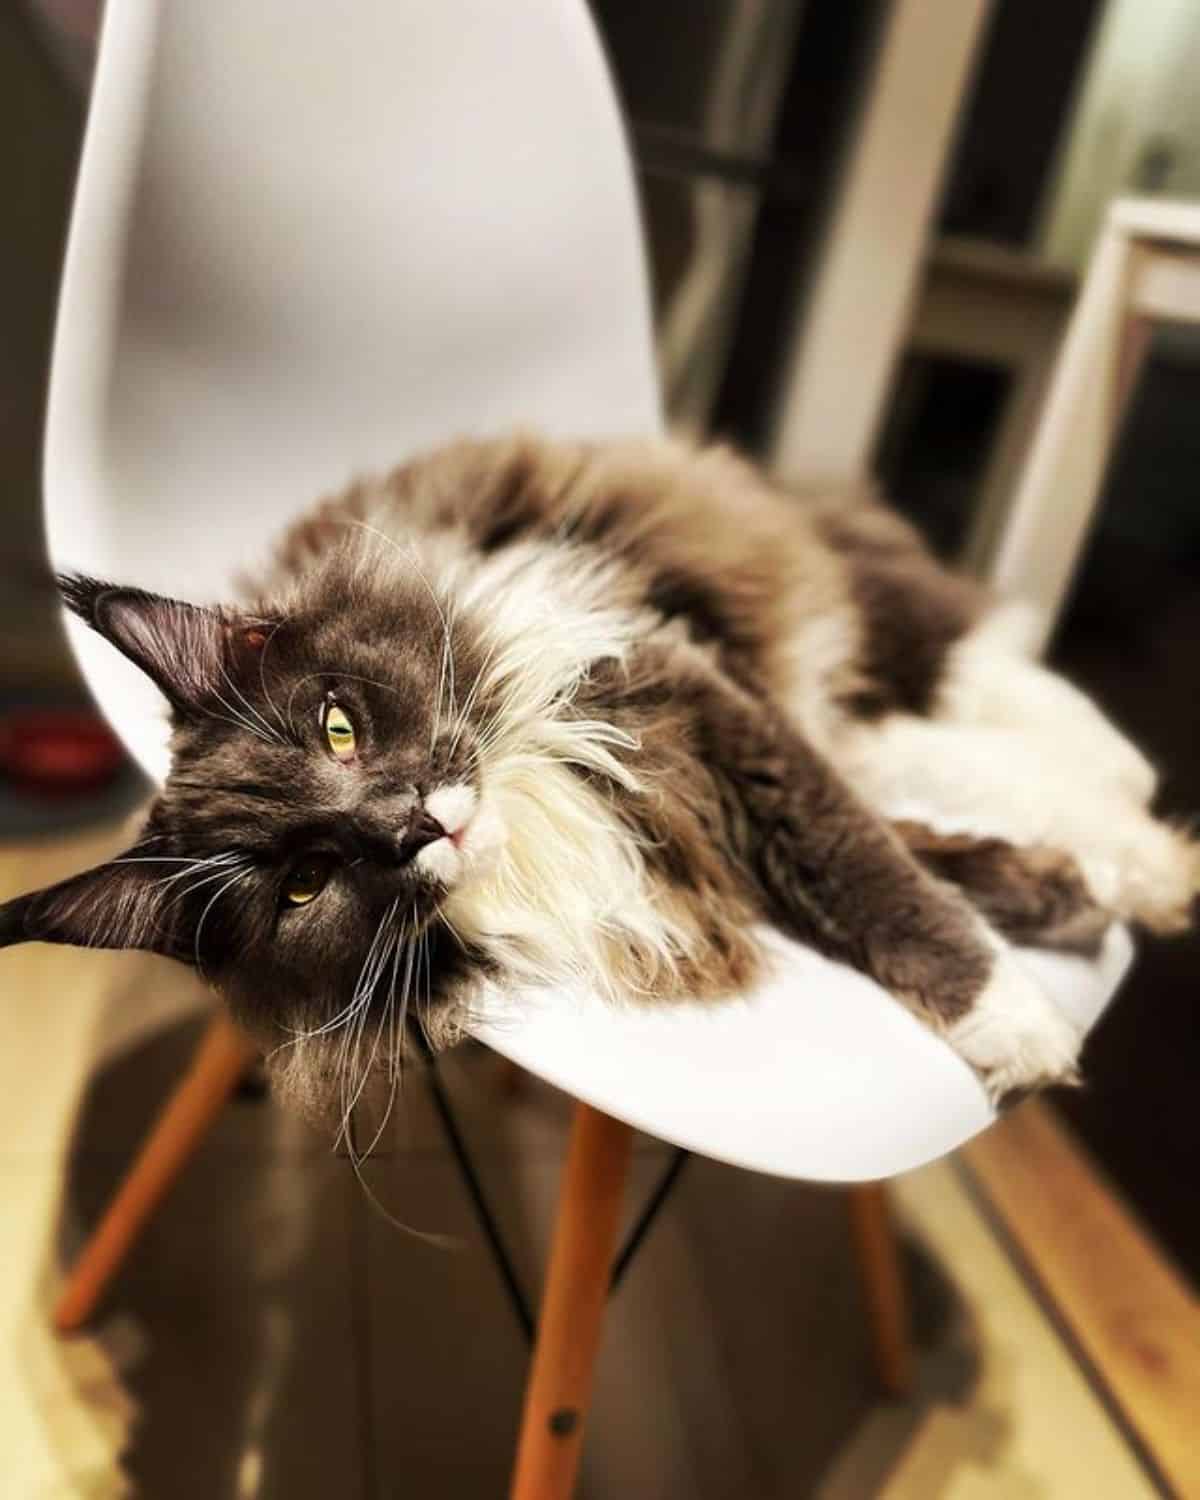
(530, 710)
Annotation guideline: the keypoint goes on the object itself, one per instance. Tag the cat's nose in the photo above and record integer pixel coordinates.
(423, 830)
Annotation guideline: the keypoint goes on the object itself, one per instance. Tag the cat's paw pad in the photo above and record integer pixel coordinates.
(1014, 1037)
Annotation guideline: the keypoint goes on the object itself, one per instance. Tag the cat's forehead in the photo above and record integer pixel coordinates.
(357, 628)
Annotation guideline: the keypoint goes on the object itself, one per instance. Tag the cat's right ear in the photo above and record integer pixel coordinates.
(129, 902)
(179, 646)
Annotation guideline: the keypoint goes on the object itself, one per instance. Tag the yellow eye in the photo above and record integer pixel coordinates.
(306, 881)
(339, 732)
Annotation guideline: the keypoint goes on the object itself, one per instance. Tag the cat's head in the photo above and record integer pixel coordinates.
(325, 796)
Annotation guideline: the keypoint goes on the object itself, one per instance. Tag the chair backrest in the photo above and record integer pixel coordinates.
(309, 240)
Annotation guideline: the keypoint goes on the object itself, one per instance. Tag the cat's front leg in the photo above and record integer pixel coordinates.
(1013, 1035)
(836, 876)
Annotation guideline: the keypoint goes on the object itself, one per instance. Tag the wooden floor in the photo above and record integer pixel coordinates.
(1134, 1319)
(276, 1337)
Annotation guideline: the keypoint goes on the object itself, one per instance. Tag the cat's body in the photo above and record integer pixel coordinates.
(534, 710)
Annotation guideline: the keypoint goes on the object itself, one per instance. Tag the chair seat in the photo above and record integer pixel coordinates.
(817, 1073)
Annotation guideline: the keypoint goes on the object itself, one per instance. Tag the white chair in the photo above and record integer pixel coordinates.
(307, 242)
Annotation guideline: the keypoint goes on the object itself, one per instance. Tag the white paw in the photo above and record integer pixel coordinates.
(1160, 877)
(1014, 1037)
(1143, 870)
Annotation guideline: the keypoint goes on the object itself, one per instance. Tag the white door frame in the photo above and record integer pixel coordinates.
(850, 330)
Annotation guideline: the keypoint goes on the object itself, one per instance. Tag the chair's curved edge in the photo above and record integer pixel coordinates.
(84, 327)
(82, 356)
(919, 1101)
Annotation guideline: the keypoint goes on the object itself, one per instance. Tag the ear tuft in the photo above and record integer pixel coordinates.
(12, 922)
(179, 646)
(80, 593)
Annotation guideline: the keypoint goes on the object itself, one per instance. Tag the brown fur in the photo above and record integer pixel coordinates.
(1035, 896)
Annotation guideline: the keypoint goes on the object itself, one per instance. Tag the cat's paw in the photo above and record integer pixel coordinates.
(1162, 878)
(1149, 874)
(1014, 1037)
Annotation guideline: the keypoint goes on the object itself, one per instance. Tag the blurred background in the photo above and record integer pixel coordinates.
(922, 182)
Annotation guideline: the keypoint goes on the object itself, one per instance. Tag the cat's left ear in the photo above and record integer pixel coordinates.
(125, 903)
(180, 646)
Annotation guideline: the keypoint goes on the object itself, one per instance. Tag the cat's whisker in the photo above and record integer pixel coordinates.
(198, 885)
(237, 719)
(335, 1022)
(236, 715)
(370, 1065)
(213, 867)
(358, 1001)
(409, 557)
(262, 675)
(482, 747)
(387, 1113)
(452, 930)
(394, 1059)
(269, 730)
(237, 723)
(377, 956)
(212, 901)
(408, 973)
(425, 961)
(465, 711)
(156, 859)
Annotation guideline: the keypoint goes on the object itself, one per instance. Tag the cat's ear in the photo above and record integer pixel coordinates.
(124, 903)
(179, 646)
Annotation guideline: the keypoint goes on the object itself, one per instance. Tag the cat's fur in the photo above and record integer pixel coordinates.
(651, 700)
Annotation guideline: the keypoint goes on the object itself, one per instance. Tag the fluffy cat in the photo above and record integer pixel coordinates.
(532, 709)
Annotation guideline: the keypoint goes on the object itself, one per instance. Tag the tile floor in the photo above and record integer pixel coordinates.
(276, 1336)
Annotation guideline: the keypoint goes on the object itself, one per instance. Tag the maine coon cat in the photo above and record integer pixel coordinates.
(527, 710)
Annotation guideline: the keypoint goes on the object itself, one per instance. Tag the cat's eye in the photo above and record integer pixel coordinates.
(339, 731)
(306, 880)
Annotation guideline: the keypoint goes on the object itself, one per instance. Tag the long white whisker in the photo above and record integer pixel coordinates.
(377, 955)
(217, 863)
(262, 675)
(212, 901)
(268, 729)
(369, 1066)
(361, 996)
(465, 711)
(239, 720)
(409, 557)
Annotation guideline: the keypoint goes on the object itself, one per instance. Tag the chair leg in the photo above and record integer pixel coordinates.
(572, 1313)
(878, 1255)
(219, 1062)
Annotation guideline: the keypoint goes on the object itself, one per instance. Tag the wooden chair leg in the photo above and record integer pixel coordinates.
(572, 1313)
(878, 1254)
(222, 1057)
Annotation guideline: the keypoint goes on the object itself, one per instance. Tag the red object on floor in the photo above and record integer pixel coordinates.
(58, 751)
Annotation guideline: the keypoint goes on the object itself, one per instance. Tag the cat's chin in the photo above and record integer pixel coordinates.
(317, 1081)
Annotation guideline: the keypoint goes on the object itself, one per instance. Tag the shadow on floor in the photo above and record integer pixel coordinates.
(274, 1335)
